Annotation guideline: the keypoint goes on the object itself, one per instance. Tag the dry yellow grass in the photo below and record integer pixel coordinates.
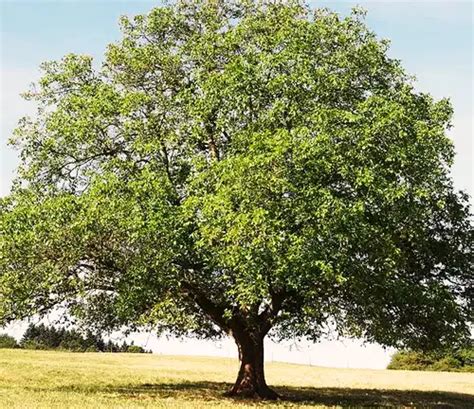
(47, 379)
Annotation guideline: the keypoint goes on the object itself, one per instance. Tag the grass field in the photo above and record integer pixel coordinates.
(44, 379)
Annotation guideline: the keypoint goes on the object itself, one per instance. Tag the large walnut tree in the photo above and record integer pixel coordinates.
(239, 168)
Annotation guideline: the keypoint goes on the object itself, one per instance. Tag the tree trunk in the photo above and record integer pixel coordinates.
(250, 381)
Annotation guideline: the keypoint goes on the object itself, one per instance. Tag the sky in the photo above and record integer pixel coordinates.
(433, 39)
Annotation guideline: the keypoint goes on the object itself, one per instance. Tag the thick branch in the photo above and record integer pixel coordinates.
(270, 312)
(213, 310)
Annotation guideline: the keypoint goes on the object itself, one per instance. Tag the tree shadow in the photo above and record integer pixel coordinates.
(343, 397)
(349, 397)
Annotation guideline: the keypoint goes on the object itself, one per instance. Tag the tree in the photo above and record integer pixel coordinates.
(451, 360)
(240, 168)
(6, 341)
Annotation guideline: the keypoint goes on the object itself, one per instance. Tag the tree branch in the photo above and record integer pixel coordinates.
(214, 311)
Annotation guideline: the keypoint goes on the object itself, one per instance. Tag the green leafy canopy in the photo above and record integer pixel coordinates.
(244, 163)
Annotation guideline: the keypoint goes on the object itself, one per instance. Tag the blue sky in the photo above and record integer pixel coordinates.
(434, 40)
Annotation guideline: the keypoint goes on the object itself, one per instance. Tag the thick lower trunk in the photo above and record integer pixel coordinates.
(251, 378)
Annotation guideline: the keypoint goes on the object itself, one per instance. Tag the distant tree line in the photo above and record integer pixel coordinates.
(460, 360)
(49, 338)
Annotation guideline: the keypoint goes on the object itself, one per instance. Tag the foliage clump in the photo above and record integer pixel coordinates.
(7, 341)
(459, 360)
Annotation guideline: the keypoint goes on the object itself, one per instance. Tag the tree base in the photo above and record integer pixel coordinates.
(251, 393)
(250, 383)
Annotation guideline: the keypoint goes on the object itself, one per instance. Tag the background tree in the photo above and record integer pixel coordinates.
(6, 341)
(459, 360)
(239, 168)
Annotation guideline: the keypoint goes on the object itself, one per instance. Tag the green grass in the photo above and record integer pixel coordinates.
(49, 379)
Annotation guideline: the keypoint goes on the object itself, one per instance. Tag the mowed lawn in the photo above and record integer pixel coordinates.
(44, 379)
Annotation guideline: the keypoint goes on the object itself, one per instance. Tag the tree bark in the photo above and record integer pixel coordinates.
(250, 381)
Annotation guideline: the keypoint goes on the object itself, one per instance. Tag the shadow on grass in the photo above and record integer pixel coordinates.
(345, 397)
